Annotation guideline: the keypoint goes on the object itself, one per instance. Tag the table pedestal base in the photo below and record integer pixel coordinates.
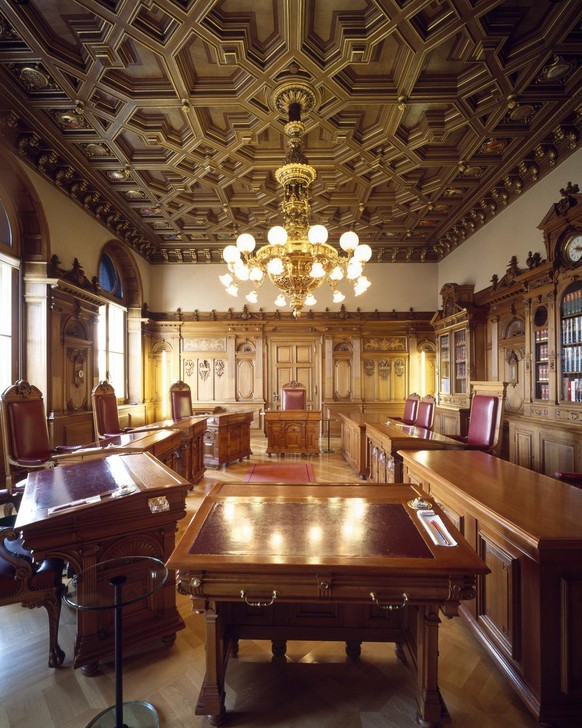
(136, 714)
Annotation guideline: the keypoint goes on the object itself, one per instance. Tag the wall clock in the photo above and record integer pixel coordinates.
(572, 250)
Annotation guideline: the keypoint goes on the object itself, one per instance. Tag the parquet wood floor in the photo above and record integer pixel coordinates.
(315, 687)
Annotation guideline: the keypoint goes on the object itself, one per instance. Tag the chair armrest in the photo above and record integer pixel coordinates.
(67, 448)
(572, 478)
(458, 438)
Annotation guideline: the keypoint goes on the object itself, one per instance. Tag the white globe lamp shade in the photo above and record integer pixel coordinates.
(338, 296)
(245, 243)
(252, 297)
(226, 279)
(241, 271)
(232, 290)
(337, 274)
(275, 267)
(310, 300)
(280, 300)
(363, 253)
(349, 241)
(317, 234)
(277, 235)
(256, 274)
(354, 269)
(231, 254)
(317, 270)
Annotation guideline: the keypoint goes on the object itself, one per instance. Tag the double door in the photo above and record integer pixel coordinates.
(295, 359)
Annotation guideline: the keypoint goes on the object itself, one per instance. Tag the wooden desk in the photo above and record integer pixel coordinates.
(227, 437)
(384, 442)
(354, 446)
(527, 528)
(339, 587)
(190, 464)
(159, 440)
(292, 431)
(140, 524)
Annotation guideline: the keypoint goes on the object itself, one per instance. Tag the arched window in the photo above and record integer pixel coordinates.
(8, 290)
(112, 327)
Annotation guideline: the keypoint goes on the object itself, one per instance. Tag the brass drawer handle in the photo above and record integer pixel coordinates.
(259, 603)
(390, 607)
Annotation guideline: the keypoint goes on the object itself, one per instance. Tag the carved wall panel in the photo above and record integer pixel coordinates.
(245, 374)
(342, 379)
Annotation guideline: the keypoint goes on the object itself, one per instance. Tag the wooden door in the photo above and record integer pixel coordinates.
(295, 360)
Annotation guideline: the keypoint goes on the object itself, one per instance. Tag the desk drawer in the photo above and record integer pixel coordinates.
(385, 592)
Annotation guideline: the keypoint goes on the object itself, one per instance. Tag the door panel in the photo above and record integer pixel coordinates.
(295, 361)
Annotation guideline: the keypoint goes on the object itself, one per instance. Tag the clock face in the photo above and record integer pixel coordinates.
(573, 248)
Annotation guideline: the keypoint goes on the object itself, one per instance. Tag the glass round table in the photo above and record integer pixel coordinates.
(114, 584)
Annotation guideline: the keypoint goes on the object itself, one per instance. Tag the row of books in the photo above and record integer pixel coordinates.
(542, 351)
(572, 359)
(572, 330)
(540, 335)
(573, 390)
(572, 303)
(544, 391)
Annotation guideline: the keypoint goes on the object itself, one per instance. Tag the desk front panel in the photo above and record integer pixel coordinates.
(292, 432)
(526, 527)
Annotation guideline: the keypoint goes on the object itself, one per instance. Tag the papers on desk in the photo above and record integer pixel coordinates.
(436, 529)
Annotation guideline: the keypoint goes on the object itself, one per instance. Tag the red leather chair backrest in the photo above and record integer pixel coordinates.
(293, 399)
(410, 411)
(106, 415)
(181, 400)
(28, 432)
(482, 421)
(425, 415)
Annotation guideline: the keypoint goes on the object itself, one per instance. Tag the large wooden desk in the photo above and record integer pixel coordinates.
(227, 437)
(384, 442)
(142, 523)
(292, 431)
(254, 568)
(354, 446)
(528, 529)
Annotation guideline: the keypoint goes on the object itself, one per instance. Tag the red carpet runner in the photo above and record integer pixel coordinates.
(280, 473)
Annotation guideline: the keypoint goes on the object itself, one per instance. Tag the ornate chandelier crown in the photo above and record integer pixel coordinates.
(298, 258)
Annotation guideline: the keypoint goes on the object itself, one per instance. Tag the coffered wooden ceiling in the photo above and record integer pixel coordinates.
(158, 116)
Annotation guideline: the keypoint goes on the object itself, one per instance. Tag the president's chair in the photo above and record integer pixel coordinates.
(293, 396)
(485, 418)
(25, 434)
(105, 414)
(24, 582)
(181, 400)
(425, 414)
(410, 410)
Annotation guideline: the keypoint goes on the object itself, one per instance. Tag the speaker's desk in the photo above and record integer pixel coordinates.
(80, 513)
(292, 431)
(316, 562)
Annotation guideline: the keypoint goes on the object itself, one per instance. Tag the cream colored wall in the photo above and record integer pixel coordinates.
(394, 286)
(511, 232)
(73, 233)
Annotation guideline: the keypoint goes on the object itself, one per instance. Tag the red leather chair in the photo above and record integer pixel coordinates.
(294, 396)
(425, 414)
(181, 400)
(25, 434)
(572, 478)
(486, 417)
(23, 581)
(410, 410)
(105, 414)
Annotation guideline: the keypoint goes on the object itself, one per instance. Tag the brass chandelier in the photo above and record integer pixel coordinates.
(297, 258)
